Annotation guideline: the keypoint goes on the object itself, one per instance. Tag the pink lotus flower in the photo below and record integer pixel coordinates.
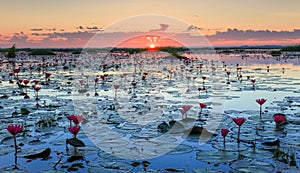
(77, 119)
(202, 105)
(26, 81)
(133, 83)
(261, 102)
(184, 109)
(14, 129)
(37, 88)
(117, 86)
(239, 122)
(47, 75)
(224, 132)
(17, 70)
(74, 130)
(279, 118)
(70, 118)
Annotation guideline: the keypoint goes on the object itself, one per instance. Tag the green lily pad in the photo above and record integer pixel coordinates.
(252, 166)
(215, 156)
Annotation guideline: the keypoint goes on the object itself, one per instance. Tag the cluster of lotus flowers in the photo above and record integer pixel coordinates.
(278, 118)
(76, 119)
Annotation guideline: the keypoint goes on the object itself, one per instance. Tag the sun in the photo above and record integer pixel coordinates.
(152, 46)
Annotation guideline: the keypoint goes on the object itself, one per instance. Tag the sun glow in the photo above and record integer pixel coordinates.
(152, 46)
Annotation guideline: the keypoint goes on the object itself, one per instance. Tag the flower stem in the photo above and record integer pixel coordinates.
(238, 139)
(260, 111)
(16, 147)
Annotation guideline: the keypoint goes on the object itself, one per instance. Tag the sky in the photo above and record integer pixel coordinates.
(74, 23)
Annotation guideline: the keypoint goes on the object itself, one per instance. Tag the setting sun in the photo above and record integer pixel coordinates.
(152, 46)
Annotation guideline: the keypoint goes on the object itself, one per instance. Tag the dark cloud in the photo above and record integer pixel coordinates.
(80, 27)
(106, 39)
(235, 34)
(163, 27)
(193, 27)
(36, 29)
(50, 29)
(92, 28)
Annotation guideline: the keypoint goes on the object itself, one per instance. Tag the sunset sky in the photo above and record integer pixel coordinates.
(72, 23)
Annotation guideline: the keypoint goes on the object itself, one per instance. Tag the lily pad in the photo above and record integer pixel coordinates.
(252, 166)
(215, 156)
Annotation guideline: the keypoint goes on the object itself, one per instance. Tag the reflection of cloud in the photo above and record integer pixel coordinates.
(163, 27)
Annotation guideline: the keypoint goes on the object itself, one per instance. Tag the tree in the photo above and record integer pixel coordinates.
(11, 52)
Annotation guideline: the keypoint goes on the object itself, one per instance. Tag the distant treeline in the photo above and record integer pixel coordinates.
(291, 48)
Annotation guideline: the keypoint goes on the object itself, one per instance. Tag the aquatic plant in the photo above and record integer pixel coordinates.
(14, 130)
(74, 130)
(279, 119)
(184, 109)
(260, 102)
(228, 74)
(239, 122)
(202, 105)
(224, 133)
(47, 76)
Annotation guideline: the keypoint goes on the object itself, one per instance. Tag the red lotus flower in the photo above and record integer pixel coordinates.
(133, 83)
(224, 132)
(261, 101)
(202, 105)
(14, 129)
(239, 121)
(253, 81)
(80, 81)
(186, 107)
(182, 111)
(47, 75)
(25, 81)
(77, 119)
(37, 88)
(16, 70)
(74, 130)
(96, 80)
(228, 73)
(203, 77)
(279, 118)
(117, 86)
(36, 81)
(71, 117)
